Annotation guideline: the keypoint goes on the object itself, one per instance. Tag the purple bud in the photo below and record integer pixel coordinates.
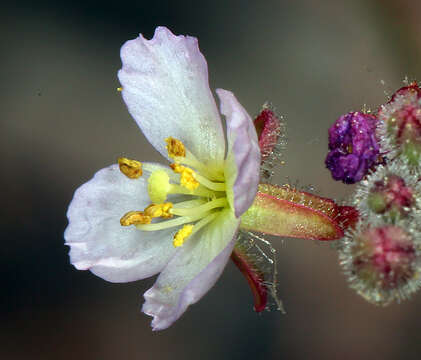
(353, 147)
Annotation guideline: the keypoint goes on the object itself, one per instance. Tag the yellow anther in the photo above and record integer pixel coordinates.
(131, 168)
(187, 178)
(177, 168)
(175, 147)
(119, 89)
(135, 218)
(159, 210)
(181, 235)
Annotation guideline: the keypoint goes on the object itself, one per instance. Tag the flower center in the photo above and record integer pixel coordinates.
(205, 184)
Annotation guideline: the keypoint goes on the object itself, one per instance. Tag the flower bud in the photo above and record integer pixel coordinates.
(401, 124)
(353, 147)
(382, 261)
(392, 191)
(391, 194)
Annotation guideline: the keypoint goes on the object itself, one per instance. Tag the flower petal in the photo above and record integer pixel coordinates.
(97, 240)
(243, 158)
(192, 271)
(166, 89)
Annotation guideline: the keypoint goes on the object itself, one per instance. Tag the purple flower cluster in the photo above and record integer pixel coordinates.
(381, 253)
(353, 147)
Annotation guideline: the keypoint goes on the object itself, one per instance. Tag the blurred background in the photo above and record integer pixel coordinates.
(61, 119)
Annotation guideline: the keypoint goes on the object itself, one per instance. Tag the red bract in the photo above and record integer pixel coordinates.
(268, 128)
(254, 277)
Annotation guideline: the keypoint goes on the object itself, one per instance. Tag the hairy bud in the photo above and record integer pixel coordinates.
(400, 128)
(382, 261)
(392, 190)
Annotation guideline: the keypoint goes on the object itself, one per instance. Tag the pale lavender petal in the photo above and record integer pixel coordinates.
(166, 89)
(192, 271)
(97, 240)
(243, 158)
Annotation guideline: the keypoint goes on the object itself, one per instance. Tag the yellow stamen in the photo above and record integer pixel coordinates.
(215, 186)
(159, 187)
(201, 209)
(189, 203)
(175, 147)
(189, 230)
(119, 89)
(182, 234)
(131, 168)
(206, 170)
(135, 218)
(187, 179)
(177, 168)
(159, 210)
(200, 191)
(202, 222)
(171, 223)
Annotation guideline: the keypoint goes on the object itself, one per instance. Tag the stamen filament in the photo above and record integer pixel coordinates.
(188, 230)
(202, 222)
(200, 191)
(209, 184)
(191, 160)
(171, 223)
(189, 203)
(221, 202)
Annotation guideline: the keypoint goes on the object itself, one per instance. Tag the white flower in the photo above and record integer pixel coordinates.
(188, 233)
